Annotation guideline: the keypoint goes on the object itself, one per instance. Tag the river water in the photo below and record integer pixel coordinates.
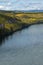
(24, 47)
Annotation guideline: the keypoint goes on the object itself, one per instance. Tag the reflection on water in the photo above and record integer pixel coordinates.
(24, 47)
(2, 39)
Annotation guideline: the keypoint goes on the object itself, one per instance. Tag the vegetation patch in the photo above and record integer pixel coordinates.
(11, 21)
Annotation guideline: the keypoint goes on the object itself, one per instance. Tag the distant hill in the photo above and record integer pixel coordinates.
(19, 11)
(25, 11)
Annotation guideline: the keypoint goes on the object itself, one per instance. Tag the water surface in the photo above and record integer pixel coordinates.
(24, 47)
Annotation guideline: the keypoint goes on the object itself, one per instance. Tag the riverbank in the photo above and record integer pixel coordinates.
(11, 22)
(4, 34)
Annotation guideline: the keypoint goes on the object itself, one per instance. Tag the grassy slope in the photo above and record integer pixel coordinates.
(10, 22)
(30, 17)
(13, 21)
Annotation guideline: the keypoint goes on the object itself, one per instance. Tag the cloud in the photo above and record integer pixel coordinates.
(21, 4)
(1, 7)
(9, 3)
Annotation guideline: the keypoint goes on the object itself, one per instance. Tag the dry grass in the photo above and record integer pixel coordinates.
(30, 17)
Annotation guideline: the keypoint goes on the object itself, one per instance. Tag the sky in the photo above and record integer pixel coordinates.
(21, 4)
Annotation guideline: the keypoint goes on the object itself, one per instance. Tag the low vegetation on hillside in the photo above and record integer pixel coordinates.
(11, 21)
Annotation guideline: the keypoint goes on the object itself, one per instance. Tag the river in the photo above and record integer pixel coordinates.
(24, 47)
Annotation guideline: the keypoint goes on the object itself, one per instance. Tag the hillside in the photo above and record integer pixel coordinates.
(11, 21)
